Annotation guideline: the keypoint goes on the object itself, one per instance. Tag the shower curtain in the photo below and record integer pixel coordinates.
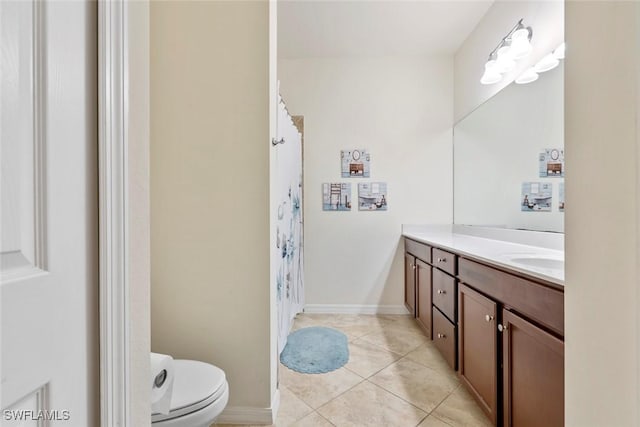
(288, 220)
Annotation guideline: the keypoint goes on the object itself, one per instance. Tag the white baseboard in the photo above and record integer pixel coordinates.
(249, 415)
(354, 309)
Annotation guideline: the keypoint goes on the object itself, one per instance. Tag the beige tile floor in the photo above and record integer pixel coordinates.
(394, 377)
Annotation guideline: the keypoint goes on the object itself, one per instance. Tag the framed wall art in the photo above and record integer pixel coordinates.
(372, 196)
(355, 163)
(551, 163)
(336, 196)
(536, 197)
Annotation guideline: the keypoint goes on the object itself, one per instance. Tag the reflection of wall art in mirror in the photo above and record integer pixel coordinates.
(355, 163)
(552, 163)
(372, 196)
(497, 147)
(336, 196)
(536, 197)
(561, 198)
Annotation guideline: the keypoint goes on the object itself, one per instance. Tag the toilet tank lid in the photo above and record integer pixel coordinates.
(194, 382)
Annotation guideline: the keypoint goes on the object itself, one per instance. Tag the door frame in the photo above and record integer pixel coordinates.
(113, 141)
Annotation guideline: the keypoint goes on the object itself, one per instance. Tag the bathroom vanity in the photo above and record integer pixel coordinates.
(495, 310)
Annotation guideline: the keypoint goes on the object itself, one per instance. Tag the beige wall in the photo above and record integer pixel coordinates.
(601, 294)
(139, 247)
(547, 21)
(401, 110)
(210, 191)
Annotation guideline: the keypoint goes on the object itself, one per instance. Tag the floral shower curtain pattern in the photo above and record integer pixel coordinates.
(289, 237)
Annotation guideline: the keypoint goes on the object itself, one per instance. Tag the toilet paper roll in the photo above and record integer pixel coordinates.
(162, 375)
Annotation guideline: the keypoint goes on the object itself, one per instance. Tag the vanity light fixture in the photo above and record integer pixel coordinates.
(514, 46)
(528, 76)
(505, 62)
(548, 62)
(491, 74)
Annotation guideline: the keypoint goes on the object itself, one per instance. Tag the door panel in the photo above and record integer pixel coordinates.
(533, 375)
(410, 283)
(48, 249)
(478, 351)
(423, 286)
(20, 184)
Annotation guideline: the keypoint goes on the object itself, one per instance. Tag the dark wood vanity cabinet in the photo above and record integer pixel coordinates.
(417, 283)
(503, 331)
(430, 282)
(445, 305)
(423, 297)
(410, 283)
(511, 353)
(533, 374)
(478, 352)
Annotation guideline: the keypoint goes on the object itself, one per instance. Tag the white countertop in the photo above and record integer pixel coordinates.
(494, 251)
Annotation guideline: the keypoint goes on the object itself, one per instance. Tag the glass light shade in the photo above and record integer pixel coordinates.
(520, 45)
(547, 63)
(559, 52)
(505, 63)
(528, 76)
(490, 77)
(491, 74)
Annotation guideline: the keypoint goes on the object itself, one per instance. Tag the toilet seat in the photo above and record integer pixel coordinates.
(197, 387)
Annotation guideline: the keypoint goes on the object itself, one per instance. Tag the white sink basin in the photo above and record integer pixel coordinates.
(539, 262)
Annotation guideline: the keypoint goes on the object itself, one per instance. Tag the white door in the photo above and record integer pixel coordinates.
(49, 328)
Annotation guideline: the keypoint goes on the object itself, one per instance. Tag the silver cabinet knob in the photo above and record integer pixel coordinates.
(442, 260)
(441, 291)
(413, 266)
(503, 328)
(442, 336)
(488, 318)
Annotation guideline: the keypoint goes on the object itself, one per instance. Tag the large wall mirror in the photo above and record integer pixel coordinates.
(509, 158)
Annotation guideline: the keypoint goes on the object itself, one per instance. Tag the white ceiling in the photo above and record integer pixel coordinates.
(365, 28)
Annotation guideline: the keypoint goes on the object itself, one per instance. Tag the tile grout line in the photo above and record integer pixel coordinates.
(379, 370)
(325, 418)
(410, 403)
(439, 404)
(303, 402)
(431, 368)
(401, 398)
(362, 379)
(422, 420)
(440, 419)
(391, 351)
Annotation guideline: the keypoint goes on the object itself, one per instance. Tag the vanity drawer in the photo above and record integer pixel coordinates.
(444, 293)
(444, 337)
(419, 250)
(445, 261)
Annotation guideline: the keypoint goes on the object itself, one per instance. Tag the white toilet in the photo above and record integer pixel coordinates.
(200, 393)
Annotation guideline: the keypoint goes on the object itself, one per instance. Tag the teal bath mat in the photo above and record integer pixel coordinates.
(315, 350)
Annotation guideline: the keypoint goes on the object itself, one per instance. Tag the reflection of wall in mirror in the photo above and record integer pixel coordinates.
(502, 144)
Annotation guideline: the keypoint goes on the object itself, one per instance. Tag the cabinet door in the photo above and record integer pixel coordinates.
(533, 374)
(423, 286)
(410, 283)
(477, 348)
